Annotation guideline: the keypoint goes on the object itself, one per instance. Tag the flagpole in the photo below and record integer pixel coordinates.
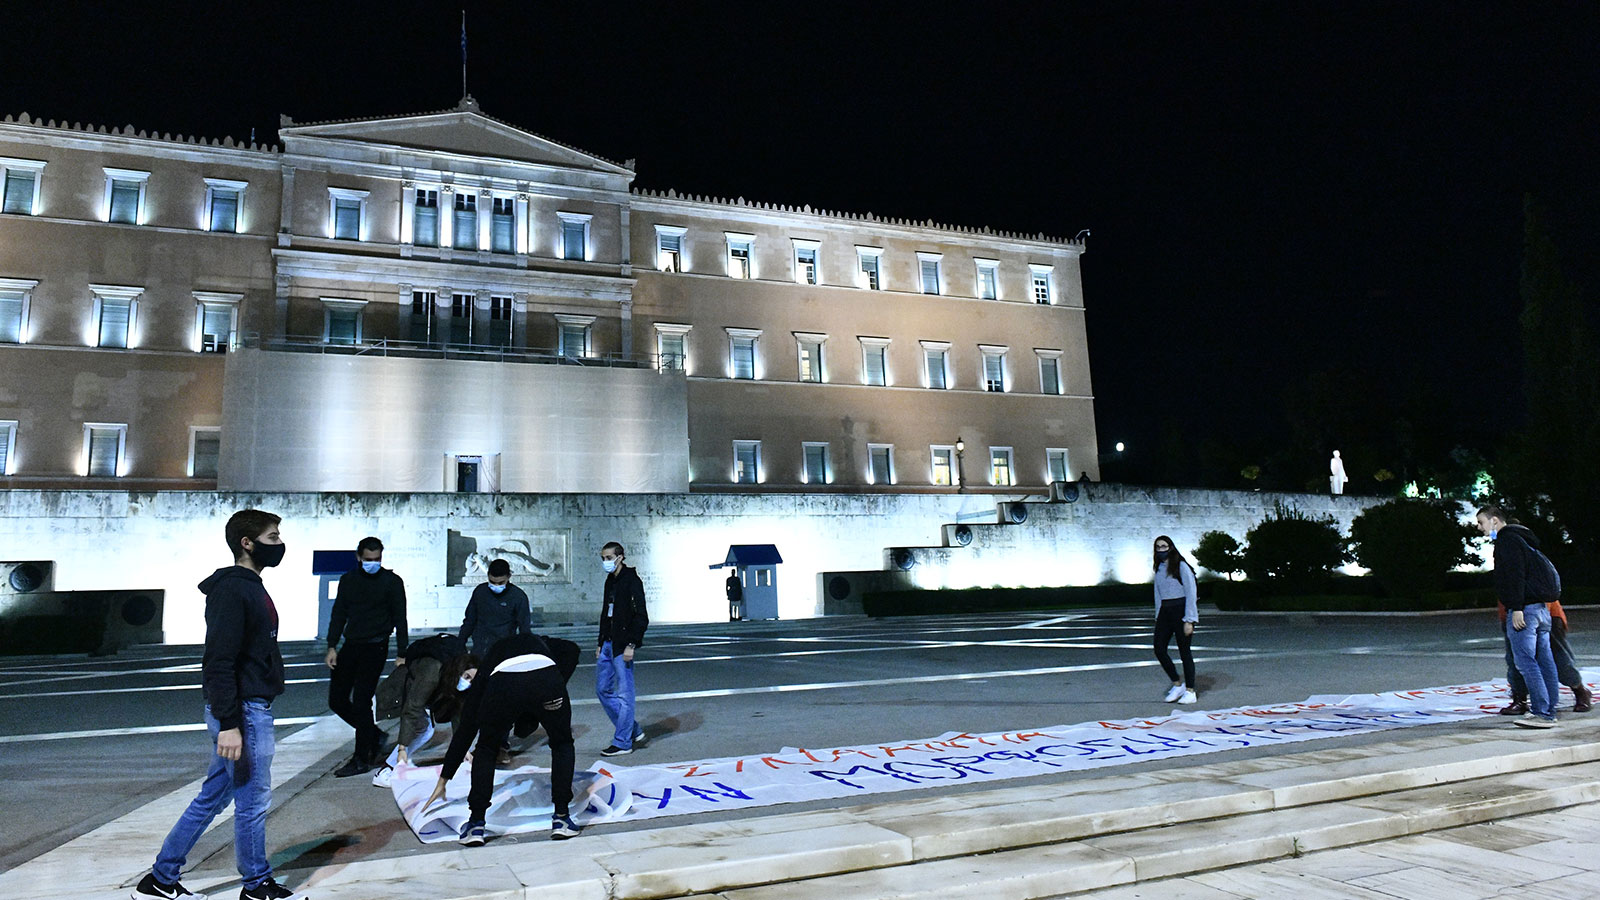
(463, 54)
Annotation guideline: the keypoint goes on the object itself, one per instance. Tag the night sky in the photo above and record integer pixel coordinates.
(1275, 189)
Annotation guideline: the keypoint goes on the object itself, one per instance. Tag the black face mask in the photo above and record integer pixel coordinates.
(1162, 554)
(267, 555)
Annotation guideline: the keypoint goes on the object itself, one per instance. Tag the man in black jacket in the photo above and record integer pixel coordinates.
(623, 620)
(1524, 581)
(241, 673)
(498, 609)
(370, 606)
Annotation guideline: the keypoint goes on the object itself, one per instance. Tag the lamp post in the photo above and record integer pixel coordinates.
(961, 476)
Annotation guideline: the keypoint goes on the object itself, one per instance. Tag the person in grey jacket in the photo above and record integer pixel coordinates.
(498, 609)
(1176, 614)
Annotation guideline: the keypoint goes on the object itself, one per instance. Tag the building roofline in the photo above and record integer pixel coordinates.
(128, 131)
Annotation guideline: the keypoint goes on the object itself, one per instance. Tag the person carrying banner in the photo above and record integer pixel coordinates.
(406, 693)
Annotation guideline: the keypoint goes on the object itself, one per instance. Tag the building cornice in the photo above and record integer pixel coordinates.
(80, 136)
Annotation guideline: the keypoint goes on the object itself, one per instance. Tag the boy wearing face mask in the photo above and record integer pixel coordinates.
(370, 606)
(498, 609)
(623, 620)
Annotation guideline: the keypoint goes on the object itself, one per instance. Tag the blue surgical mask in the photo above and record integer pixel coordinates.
(1493, 532)
(497, 588)
(463, 683)
(610, 565)
(371, 567)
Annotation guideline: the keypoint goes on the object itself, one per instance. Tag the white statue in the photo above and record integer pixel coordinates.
(1337, 478)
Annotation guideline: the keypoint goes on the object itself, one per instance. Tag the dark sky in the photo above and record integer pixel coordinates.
(1275, 189)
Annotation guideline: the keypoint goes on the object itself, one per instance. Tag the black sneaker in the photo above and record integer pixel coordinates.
(150, 887)
(270, 890)
(639, 737)
(614, 750)
(355, 766)
(562, 827)
(473, 834)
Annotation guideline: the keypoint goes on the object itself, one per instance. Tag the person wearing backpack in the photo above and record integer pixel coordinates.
(1526, 583)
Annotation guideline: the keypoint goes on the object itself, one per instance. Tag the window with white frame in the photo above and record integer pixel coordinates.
(936, 364)
(994, 367)
(871, 263)
(464, 222)
(669, 248)
(8, 447)
(205, 447)
(805, 261)
(746, 462)
(224, 204)
(125, 196)
(874, 360)
(1055, 465)
(1043, 280)
(425, 217)
(880, 469)
(341, 321)
(929, 277)
(15, 296)
(421, 316)
(815, 456)
(347, 214)
(988, 279)
(742, 353)
(672, 347)
(809, 354)
(1000, 469)
(19, 185)
(104, 449)
(503, 225)
(1049, 371)
(942, 464)
(216, 321)
(461, 318)
(576, 336)
(116, 310)
(574, 235)
(500, 311)
(740, 249)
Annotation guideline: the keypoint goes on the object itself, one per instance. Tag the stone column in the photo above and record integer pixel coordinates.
(627, 329)
(403, 313)
(519, 320)
(408, 211)
(485, 221)
(480, 316)
(286, 210)
(279, 326)
(524, 228)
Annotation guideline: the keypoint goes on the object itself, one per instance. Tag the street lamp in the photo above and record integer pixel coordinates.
(961, 476)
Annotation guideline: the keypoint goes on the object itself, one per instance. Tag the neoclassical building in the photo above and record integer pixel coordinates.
(446, 302)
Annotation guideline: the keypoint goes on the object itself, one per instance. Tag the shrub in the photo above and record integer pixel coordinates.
(1410, 544)
(1292, 548)
(1219, 552)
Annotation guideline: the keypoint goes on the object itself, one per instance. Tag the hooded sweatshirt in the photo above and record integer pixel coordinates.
(241, 659)
(1522, 574)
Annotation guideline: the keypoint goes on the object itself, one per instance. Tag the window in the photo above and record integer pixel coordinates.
(574, 235)
(500, 309)
(575, 336)
(874, 362)
(1000, 466)
(224, 200)
(746, 462)
(125, 196)
(503, 225)
(1049, 371)
(104, 448)
(8, 447)
(810, 355)
(671, 347)
(805, 261)
(464, 226)
(425, 218)
(216, 321)
(347, 214)
(205, 445)
(942, 468)
(669, 248)
(936, 364)
(461, 318)
(15, 294)
(994, 367)
(871, 260)
(739, 250)
(115, 309)
(341, 321)
(1043, 278)
(988, 279)
(21, 179)
(928, 269)
(421, 316)
(1055, 465)
(742, 353)
(882, 464)
(816, 463)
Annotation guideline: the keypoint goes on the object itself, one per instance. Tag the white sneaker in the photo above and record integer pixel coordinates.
(384, 778)
(1174, 693)
(1188, 697)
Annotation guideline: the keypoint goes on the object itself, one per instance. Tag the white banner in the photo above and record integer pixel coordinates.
(519, 804)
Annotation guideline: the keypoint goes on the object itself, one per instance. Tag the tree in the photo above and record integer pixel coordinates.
(1410, 544)
(1219, 552)
(1292, 548)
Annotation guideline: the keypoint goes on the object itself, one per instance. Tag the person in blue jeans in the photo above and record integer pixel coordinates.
(1525, 580)
(623, 619)
(241, 673)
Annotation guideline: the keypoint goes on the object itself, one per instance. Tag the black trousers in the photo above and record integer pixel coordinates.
(1566, 668)
(1169, 622)
(350, 689)
(519, 697)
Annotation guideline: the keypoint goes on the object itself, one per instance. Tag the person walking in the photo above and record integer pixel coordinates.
(1566, 666)
(496, 610)
(371, 605)
(1525, 582)
(522, 681)
(623, 619)
(241, 672)
(1176, 614)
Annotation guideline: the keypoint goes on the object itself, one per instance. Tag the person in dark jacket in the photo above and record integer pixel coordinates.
(522, 681)
(1524, 581)
(498, 609)
(1566, 665)
(406, 694)
(241, 672)
(371, 605)
(623, 620)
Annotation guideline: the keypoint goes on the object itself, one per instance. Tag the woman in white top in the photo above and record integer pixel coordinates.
(1175, 615)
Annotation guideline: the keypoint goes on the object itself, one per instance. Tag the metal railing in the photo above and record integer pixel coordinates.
(666, 362)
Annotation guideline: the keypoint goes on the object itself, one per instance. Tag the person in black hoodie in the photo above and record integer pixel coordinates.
(241, 673)
(370, 606)
(623, 619)
(522, 681)
(498, 609)
(1525, 581)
